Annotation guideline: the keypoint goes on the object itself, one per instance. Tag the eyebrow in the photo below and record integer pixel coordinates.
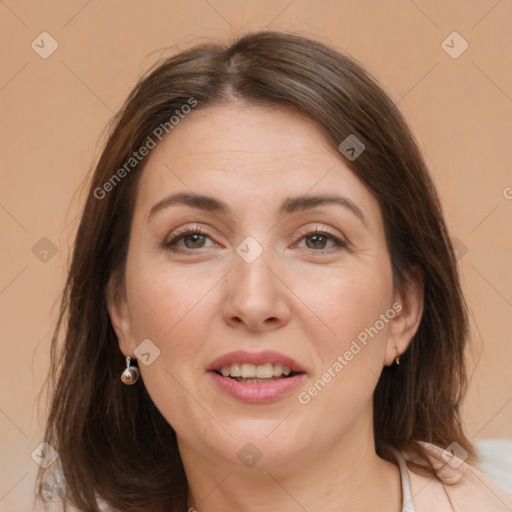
(289, 205)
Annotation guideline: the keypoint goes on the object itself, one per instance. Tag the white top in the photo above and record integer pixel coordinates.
(407, 504)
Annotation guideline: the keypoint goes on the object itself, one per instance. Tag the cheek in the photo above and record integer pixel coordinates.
(173, 313)
(343, 305)
(161, 301)
(355, 312)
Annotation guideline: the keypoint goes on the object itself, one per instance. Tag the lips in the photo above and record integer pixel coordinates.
(256, 390)
(255, 358)
(258, 393)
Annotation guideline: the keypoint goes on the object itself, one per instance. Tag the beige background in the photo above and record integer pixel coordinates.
(54, 111)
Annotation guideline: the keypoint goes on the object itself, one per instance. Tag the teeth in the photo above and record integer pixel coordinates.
(265, 371)
(236, 370)
(248, 370)
(251, 371)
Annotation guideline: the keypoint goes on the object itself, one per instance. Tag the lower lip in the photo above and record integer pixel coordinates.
(258, 392)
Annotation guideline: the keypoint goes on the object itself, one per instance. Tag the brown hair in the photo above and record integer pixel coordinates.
(114, 444)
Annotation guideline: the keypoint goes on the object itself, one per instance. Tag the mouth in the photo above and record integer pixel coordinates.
(256, 377)
(257, 374)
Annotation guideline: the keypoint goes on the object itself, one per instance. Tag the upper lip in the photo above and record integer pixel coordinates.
(256, 358)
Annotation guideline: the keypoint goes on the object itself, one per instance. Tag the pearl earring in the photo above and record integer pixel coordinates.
(131, 374)
(397, 359)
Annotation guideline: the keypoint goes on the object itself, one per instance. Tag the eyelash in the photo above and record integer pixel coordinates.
(198, 230)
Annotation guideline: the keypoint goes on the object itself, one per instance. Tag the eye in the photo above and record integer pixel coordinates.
(193, 237)
(316, 240)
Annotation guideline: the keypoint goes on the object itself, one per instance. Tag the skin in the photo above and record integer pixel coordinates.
(197, 305)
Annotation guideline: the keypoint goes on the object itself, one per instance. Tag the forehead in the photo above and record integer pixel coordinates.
(247, 154)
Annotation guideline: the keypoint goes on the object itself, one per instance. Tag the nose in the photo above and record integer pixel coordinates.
(257, 295)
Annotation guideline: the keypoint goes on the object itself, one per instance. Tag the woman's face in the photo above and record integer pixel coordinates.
(251, 275)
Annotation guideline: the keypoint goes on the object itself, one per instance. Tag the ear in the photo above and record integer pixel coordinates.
(408, 306)
(119, 315)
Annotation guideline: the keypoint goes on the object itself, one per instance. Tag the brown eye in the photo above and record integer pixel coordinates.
(193, 239)
(197, 240)
(317, 240)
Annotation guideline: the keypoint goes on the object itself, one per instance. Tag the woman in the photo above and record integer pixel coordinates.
(263, 260)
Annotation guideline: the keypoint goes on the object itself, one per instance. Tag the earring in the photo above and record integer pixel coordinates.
(131, 374)
(397, 359)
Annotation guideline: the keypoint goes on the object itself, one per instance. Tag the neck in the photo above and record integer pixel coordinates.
(345, 475)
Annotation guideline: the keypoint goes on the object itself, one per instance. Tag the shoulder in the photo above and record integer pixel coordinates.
(463, 487)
